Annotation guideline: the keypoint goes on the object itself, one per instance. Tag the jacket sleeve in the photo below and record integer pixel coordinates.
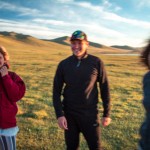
(57, 91)
(146, 102)
(147, 134)
(104, 89)
(14, 86)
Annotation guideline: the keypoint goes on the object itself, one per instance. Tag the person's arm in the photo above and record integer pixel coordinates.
(105, 94)
(13, 85)
(57, 91)
(147, 134)
(146, 102)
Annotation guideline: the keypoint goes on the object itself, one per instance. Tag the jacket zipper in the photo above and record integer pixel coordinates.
(78, 64)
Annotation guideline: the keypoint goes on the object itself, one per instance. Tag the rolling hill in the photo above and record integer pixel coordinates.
(14, 40)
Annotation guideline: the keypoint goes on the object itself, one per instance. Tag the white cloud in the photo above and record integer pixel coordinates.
(110, 6)
(52, 22)
(101, 30)
(142, 3)
(122, 41)
(114, 17)
(15, 24)
(98, 29)
(15, 8)
(117, 8)
(30, 29)
(89, 6)
(106, 3)
(64, 1)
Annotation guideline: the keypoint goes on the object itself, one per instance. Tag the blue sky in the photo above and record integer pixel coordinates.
(108, 22)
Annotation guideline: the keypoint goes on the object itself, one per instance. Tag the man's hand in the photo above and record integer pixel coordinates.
(106, 121)
(4, 71)
(62, 122)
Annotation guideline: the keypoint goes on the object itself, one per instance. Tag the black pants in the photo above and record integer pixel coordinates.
(88, 125)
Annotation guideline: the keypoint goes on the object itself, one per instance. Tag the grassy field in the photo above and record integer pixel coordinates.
(36, 117)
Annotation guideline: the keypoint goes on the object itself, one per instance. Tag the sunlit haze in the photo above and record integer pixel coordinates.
(108, 22)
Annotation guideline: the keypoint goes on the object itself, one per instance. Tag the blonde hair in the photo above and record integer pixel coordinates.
(4, 53)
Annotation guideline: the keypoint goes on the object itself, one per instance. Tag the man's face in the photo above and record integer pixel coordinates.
(79, 47)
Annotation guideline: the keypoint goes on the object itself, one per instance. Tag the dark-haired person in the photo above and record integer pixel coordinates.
(144, 143)
(76, 79)
(12, 89)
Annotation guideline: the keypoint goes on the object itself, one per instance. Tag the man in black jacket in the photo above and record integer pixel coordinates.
(76, 79)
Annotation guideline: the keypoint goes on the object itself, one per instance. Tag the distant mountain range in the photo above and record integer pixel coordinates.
(124, 47)
(64, 41)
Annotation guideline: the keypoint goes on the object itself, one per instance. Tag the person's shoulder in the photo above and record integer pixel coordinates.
(66, 60)
(13, 75)
(94, 57)
(147, 76)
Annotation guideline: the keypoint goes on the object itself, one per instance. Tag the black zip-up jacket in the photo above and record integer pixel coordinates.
(77, 81)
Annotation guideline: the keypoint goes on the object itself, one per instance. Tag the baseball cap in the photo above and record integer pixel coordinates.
(78, 35)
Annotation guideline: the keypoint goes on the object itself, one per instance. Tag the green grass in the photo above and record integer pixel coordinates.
(36, 117)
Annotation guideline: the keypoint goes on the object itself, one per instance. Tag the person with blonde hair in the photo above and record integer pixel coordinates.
(144, 143)
(12, 89)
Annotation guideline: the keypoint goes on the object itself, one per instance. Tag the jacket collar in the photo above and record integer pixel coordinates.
(83, 57)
